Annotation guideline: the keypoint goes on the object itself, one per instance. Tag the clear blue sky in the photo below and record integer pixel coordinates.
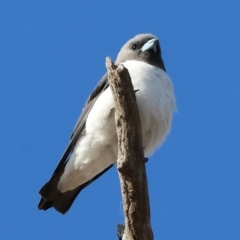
(53, 54)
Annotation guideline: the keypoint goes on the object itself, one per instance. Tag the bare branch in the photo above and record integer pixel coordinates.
(131, 162)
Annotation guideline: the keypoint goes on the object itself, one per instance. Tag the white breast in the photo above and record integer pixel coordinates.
(156, 102)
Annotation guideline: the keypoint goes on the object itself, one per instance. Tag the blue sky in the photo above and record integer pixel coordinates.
(53, 54)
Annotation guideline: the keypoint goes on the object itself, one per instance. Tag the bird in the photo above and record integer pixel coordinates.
(93, 146)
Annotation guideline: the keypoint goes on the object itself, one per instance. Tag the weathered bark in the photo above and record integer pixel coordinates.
(130, 163)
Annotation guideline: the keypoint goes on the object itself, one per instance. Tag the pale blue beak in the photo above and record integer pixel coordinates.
(150, 45)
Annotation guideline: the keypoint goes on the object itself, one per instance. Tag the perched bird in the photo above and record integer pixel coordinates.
(93, 145)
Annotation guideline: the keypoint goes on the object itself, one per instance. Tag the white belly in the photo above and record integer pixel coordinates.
(156, 102)
(98, 148)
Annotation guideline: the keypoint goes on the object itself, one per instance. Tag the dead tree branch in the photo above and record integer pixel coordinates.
(130, 163)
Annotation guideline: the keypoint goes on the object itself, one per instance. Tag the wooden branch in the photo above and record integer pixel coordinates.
(130, 163)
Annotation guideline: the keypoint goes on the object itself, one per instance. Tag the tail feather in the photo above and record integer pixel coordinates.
(60, 201)
(52, 197)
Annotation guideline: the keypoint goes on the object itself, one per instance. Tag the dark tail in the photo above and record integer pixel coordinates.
(52, 197)
(60, 201)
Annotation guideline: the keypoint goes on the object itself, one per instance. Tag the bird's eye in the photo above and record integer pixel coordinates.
(134, 46)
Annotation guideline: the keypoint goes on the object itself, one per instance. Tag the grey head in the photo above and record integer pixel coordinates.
(143, 47)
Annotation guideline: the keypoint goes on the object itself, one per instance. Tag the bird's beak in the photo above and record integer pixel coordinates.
(151, 44)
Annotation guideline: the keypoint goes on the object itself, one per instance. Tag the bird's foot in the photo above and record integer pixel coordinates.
(136, 90)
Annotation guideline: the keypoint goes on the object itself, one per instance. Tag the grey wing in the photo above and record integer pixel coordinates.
(79, 128)
(80, 125)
